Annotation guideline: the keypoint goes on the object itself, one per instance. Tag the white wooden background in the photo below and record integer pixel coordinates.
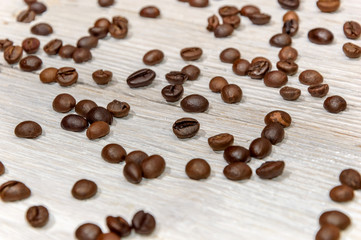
(317, 147)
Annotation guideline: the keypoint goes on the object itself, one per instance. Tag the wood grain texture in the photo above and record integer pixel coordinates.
(317, 147)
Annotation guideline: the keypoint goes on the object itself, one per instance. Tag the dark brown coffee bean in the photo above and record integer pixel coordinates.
(248, 10)
(336, 218)
(289, 4)
(48, 75)
(97, 129)
(186, 128)
(12, 191)
(28, 129)
(198, 3)
(290, 15)
(288, 53)
(98, 32)
(280, 40)
(236, 154)
(213, 23)
(42, 29)
(275, 79)
(103, 22)
(328, 5)
(102, 77)
(64, 103)
(198, 169)
(149, 12)
(153, 57)
(26, 16)
(133, 172)
(351, 178)
(13, 54)
(335, 104)
(191, 71)
(223, 30)
(259, 18)
(221, 141)
(141, 78)
(228, 11)
(237, 171)
(176, 78)
(105, 3)
(328, 232)
(318, 91)
(115, 20)
(191, 53)
(290, 93)
(66, 51)
(258, 68)
(278, 116)
(84, 106)
(217, 83)
(118, 225)
(118, 30)
(310, 77)
(118, 109)
(153, 166)
(30, 63)
(274, 132)
(194, 103)
(351, 50)
(81, 55)
(136, 157)
(341, 193)
(113, 153)
(88, 231)
(231, 93)
(87, 42)
(289, 67)
(84, 189)
(229, 55)
(38, 7)
(260, 148)
(99, 114)
(352, 29)
(74, 123)
(241, 67)
(172, 93)
(290, 27)
(37, 216)
(31, 45)
(4, 43)
(2, 168)
(143, 223)
(66, 76)
(234, 21)
(320, 36)
(270, 169)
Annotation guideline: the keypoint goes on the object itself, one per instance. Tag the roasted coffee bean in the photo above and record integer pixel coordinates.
(241, 67)
(98, 32)
(42, 29)
(221, 141)
(13, 54)
(289, 67)
(270, 169)
(328, 5)
(108, 236)
(30, 63)
(213, 23)
(280, 40)
(275, 79)
(97, 129)
(118, 225)
(132, 172)
(231, 93)
(310, 77)
(118, 109)
(228, 11)
(335, 104)
(278, 116)
(320, 36)
(81, 55)
(274, 132)
(88, 231)
(37, 216)
(84, 189)
(191, 53)
(105, 3)
(223, 30)
(351, 178)
(26, 16)
(99, 114)
(143, 223)
(229, 55)
(136, 157)
(290, 27)
(290, 15)
(336, 218)
(234, 21)
(237, 171)
(194, 103)
(48, 75)
(53, 47)
(217, 83)
(38, 7)
(153, 57)
(66, 76)
(352, 29)
(236, 154)
(290, 93)
(102, 77)
(260, 148)
(351, 50)
(64, 103)
(259, 68)
(318, 91)
(191, 71)
(198, 169)
(289, 4)
(141, 78)
(31, 45)
(259, 18)
(74, 123)
(4, 43)
(84, 106)
(149, 12)
(153, 166)
(176, 78)
(66, 51)
(118, 30)
(87, 42)
(28, 129)
(115, 20)
(288, 53)
(248, 10)
(185, 128)
(198, 3)
(2, 168)
(113, 153)
(103, 23)
(12, 191)
(328, 232)
(172, 93)
(341, 193)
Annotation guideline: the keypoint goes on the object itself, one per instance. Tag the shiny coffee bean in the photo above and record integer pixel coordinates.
(228, 11)
(66, 76)
(48, 75)
(105, 3)
(99, 114)
(74, 123)
(64, 103)
(31, 45)
(231, 93)
(328, 6)
(217, 83)
(87, 42)
(198, 169)
(328, 232)
(37, 216)
(81, 55)
(153, 166)
(132, 172)
(149, 12)
(241, 67)
(38, 7)
(234, 21)
(176, 77)
(237, 171)
(341, 193)
(213, 23)
(143, 223)
(141, 78)
(191, 71)
(289, 67)
(290, 93)
(221, 141)
(102, 77)
(270, 169)
(280, 40)
(30, 63)
(172, 93)
(289, 4)
(12, 191)
(351, 178)
(84, 189)
(26, 16)
(113, 153)
(42, 29)
(118, 109)
(98, 32)
(28, 129)
(97, 129)
(310, 77)
(191, 53)
(153, 57)
(352, 29)
(290, 27)
(335, 104)
(288, 53)
(118, 225)
(136, 156)
(101, 22)
(278, 116)
(229, 55)
(236, 154)
(259, 68)
(194, 103)
(290, 15)
(320, 36)
(84, 106)
(248, 10)
(88, 231)
(318, 91)
(198, 3)
(223, 30)
(274, 132)
(185, 128)
(4, 43)
(259, 18)
(118, 30)
(13, 54)
(260, 148)
(275, 79)
(351, 50)
(66, 51)
(336, 218)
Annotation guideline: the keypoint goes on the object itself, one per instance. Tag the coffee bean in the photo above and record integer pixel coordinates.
(118, 30)
(336, 218)
(248, 10)
(278, 116)
(198, 3)
(288, 53)
(143, 223)
(270, 169)
(280, 40)
(289, 67)
(88, 231)
(241, 67)
(260, 148)
(118, 109)
(13, 54)
(26, 16)
(64, 103)
(231, 93)
(172, 93)
(136, 157)
(113, 153)
(341, 193)
(153, 166)
(176, 78)
(289, 4)
(149, 12)
(4, 43)
(351, 178)
(118, 225)
(115, 20)
(84, 189)
(102, 77)
(217, 83)
(290, 27)
(186, 127)
(223, 30)
(29, 2)
(320, 36)
(84, 106)
(97, 129)
(87, 42)
(12, 191)
(328, 5)
(38, 7)
(66, 76)
(99, 114)
(30, 63)
(42, 29)
(198, 169)
(48, 75)
(318, 91)
(290, 15)
(105, 3)
(141, 78)
(237, 171)
(335, 104)
(191, 71)
(234, 154)
(194, 103)
(103, 22)
(28, 129)
(274, 132)
(2, 168)
(37, 216)
(66, 51)
(132, 172)
(290, 93)
(234, 21)
(74, 123)
(328, 232)
(258, 68)
(259, 18)
(221, 141)
(351, 50)
(108, 236)
(352, 29)
(275, 79)
(310, 77)
(153, 57)
(229, 55)
(191, 53)
(213, 23)
(228, 11)
(81, 55)
(31, 45)
(98, 32)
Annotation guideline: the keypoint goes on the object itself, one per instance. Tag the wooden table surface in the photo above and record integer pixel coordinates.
(317, 147)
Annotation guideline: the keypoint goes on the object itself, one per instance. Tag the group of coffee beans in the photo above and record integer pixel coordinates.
(34, 8)
(352, 30)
